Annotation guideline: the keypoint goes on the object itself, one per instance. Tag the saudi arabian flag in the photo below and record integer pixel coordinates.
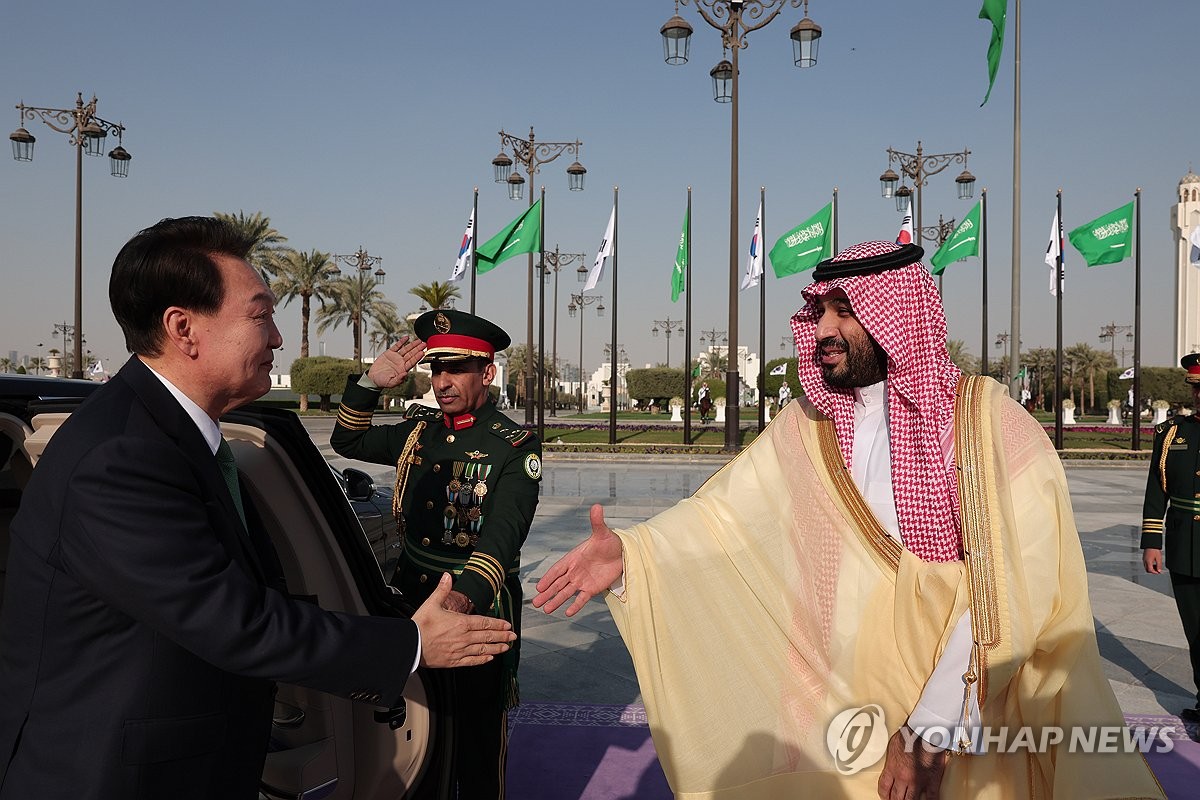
(1107, 239)
(805, 245)
(995, 12)
(963, 243)
(522, 235)
(679, 273)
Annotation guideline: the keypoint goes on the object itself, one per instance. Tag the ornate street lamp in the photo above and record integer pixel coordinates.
(579, 302)
(531, 155)
(86, 133)
(669, 326)
(554, 261)
(361, 262)
(735, 19)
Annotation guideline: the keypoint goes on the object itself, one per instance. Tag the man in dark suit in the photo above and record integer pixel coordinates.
(1173, 490)
(143, 626)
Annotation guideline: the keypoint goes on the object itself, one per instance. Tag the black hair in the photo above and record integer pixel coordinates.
(170, 264)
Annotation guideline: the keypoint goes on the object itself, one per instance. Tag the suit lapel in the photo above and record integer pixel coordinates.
(175, 423)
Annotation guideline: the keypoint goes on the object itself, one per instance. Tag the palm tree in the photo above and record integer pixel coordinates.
(304, 275)
(6, 364)
(352, 299)
(1086, 359)
(437, 294)
(961, 358)
(713, 364)
(37, 364)
(268, 246)
(1039, 361)
(387, 328)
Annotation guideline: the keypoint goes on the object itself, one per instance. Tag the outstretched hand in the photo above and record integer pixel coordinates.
(449, 639)
(589, 569)
(392, 366)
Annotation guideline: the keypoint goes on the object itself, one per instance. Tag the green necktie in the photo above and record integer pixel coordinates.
(228, 466)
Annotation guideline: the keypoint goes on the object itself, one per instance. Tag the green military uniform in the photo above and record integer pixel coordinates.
(1173, 491)
(466, 491)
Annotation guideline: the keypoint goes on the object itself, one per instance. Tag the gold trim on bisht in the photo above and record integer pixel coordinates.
(885, 548)
(976, 487)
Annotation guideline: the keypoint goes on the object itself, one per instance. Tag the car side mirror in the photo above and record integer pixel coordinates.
(359, 485)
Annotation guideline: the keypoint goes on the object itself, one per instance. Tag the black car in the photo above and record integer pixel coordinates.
(322, 746)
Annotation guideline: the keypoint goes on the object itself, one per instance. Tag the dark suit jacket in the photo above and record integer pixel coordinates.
(1173, 491)
(139, 639)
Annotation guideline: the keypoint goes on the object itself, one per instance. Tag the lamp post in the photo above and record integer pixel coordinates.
(361, 261)
(1109, 333)
(86, 133)
(531, 154)
(735, 19)
(554, 261)
(581, 301)
(668, 326)
(620, 366)
(711, 337)
(921, 166)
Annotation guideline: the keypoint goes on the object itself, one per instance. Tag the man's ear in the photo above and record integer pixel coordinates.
(179, 331)
(489, 374)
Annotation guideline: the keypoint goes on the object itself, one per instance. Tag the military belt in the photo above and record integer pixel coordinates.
(426, 560)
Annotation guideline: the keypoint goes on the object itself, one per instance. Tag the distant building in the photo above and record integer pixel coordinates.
(1185, 224)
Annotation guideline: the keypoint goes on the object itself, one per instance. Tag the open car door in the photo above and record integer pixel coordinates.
(322, 746)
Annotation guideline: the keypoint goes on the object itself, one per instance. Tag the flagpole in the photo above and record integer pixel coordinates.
(475, 241)
(1137, 322)
(541, 372)
(983, 244)
(687, 326)
(835, 221)
(612, 381)
(732, 375)
(762, 312)
(1058, 332)
(1014, 328)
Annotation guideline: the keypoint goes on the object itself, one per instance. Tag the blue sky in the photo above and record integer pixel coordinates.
(369, 123)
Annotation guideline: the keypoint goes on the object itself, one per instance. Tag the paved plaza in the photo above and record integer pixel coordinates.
(582, 660)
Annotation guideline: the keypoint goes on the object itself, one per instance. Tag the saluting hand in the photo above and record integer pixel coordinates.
(392, 366)
(458, 640)
(587, 570)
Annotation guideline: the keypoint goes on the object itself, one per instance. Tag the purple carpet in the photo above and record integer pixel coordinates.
(573, 751)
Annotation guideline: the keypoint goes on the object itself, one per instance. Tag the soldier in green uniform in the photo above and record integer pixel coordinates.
(466, 489)
(1173, 489)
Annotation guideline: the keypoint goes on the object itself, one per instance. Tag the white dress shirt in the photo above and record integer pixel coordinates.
(940, 705)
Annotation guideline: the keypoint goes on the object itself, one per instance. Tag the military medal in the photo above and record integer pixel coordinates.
(481, 490)
(462, 540)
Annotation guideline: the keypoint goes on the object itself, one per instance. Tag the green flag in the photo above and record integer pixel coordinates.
(679, 274)
(963, 243)
(696, 371)
(1107, 239)
(522, 235)
(995, 11)
(805, 245)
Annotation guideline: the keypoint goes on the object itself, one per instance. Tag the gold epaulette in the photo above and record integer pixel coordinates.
(353, 419)
(514, 436)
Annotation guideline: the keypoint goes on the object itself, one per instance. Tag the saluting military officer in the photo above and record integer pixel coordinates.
(1173, 489)
(466, 489)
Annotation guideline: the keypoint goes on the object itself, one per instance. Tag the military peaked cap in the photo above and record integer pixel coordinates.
(451, 335)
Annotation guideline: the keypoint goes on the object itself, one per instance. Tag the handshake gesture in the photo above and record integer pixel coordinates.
(451, 639)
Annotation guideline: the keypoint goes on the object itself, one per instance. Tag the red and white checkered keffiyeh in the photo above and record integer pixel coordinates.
(901, 310)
